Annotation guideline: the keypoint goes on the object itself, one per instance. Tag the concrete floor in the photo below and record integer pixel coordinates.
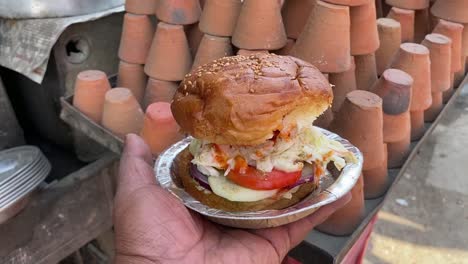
(425, 218)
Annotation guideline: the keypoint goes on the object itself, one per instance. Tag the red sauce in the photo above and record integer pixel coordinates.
(220, 156)
(240, 165)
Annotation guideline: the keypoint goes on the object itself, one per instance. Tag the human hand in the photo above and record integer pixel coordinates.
(152, 226)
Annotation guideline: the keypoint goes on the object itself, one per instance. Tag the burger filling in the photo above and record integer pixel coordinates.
(251, 173)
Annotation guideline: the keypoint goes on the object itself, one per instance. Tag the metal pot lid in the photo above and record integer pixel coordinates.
(23, 9)
(15, 160)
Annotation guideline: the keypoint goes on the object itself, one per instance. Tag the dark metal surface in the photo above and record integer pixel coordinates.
(11, 134)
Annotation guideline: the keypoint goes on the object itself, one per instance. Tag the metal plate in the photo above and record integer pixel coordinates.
(331, 189)
(54, 8)
(16, 160)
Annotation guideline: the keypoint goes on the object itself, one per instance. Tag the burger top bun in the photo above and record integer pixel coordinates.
(242, 100)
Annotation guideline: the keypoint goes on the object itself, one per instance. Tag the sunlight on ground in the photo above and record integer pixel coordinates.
(386, 216)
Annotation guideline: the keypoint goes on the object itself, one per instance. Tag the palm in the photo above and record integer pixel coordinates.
(153, 227)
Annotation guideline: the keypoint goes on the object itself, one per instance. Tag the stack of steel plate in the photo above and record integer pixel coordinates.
(22, 169)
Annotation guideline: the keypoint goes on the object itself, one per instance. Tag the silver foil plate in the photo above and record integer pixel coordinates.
(333, 185)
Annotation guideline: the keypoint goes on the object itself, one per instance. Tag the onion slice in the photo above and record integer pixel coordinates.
(201, 178)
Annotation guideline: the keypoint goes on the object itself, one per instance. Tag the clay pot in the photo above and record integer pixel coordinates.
(295, 14)
(287, 48)
(159, 91)
(398, 152)
(121, 113)
(194, 36)
(418, 127)
(212, 48)
(360, 121)
(169, 58)
(390, 40)
(346, 219)
(141, 7)
(453, 10)
(364, 36)
(325, 119)
(440, 53)
(465, 40)
(394, 87)
(421, 24)
(409, 4)
(260, 26)
(250, 52)
(135, 42)
(325, 40)
(454, 32)
(160, 129)
(460, 75)
(343, 83)
(178, 12)
(91, 87)
(407, 21)
(219, 17)
(376, 180)
(133, 77)
(437, 104)
(366, 71)
(348, 2)
(448, 94)
(414, 59)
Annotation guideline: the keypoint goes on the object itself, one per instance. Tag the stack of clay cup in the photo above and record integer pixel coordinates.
(413, 16)
(118, 110)
(451, 19)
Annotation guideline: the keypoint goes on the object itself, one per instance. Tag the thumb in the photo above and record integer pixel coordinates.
(135, 169)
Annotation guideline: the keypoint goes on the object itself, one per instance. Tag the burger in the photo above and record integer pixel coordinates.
(254, 146)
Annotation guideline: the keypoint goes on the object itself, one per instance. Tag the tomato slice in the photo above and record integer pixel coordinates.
(252, 178)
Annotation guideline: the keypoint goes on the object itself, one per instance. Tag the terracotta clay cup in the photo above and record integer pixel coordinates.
(159, 91)
(343, 83)
(325, 40)
(364, 35)
(325, 119)
(245, 52)
(376, 180)
(141, 7)
(454, 32)
(452, 10)
(160, 129)
(212, 48)
(169, 58)
(135, 42)
(287, 48)
(178, 12)
(91, 87)
(448, 94)
(390, 40)
(366, 71)
(440, 54)
(344, 221)
(407, 21)
(360, 121)
(398, 152)
(122, 113)
(465, 40)
(409, 4)
(133, 77)
(418, 127)
(437, 104)
(260, 26)
(348, 2)
(194, 37)
(219, 17)
(460, 75)
(295, 14)
(394, 87)
(414, 59)
(422, 24)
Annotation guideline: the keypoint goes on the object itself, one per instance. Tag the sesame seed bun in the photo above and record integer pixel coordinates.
(242, 100)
